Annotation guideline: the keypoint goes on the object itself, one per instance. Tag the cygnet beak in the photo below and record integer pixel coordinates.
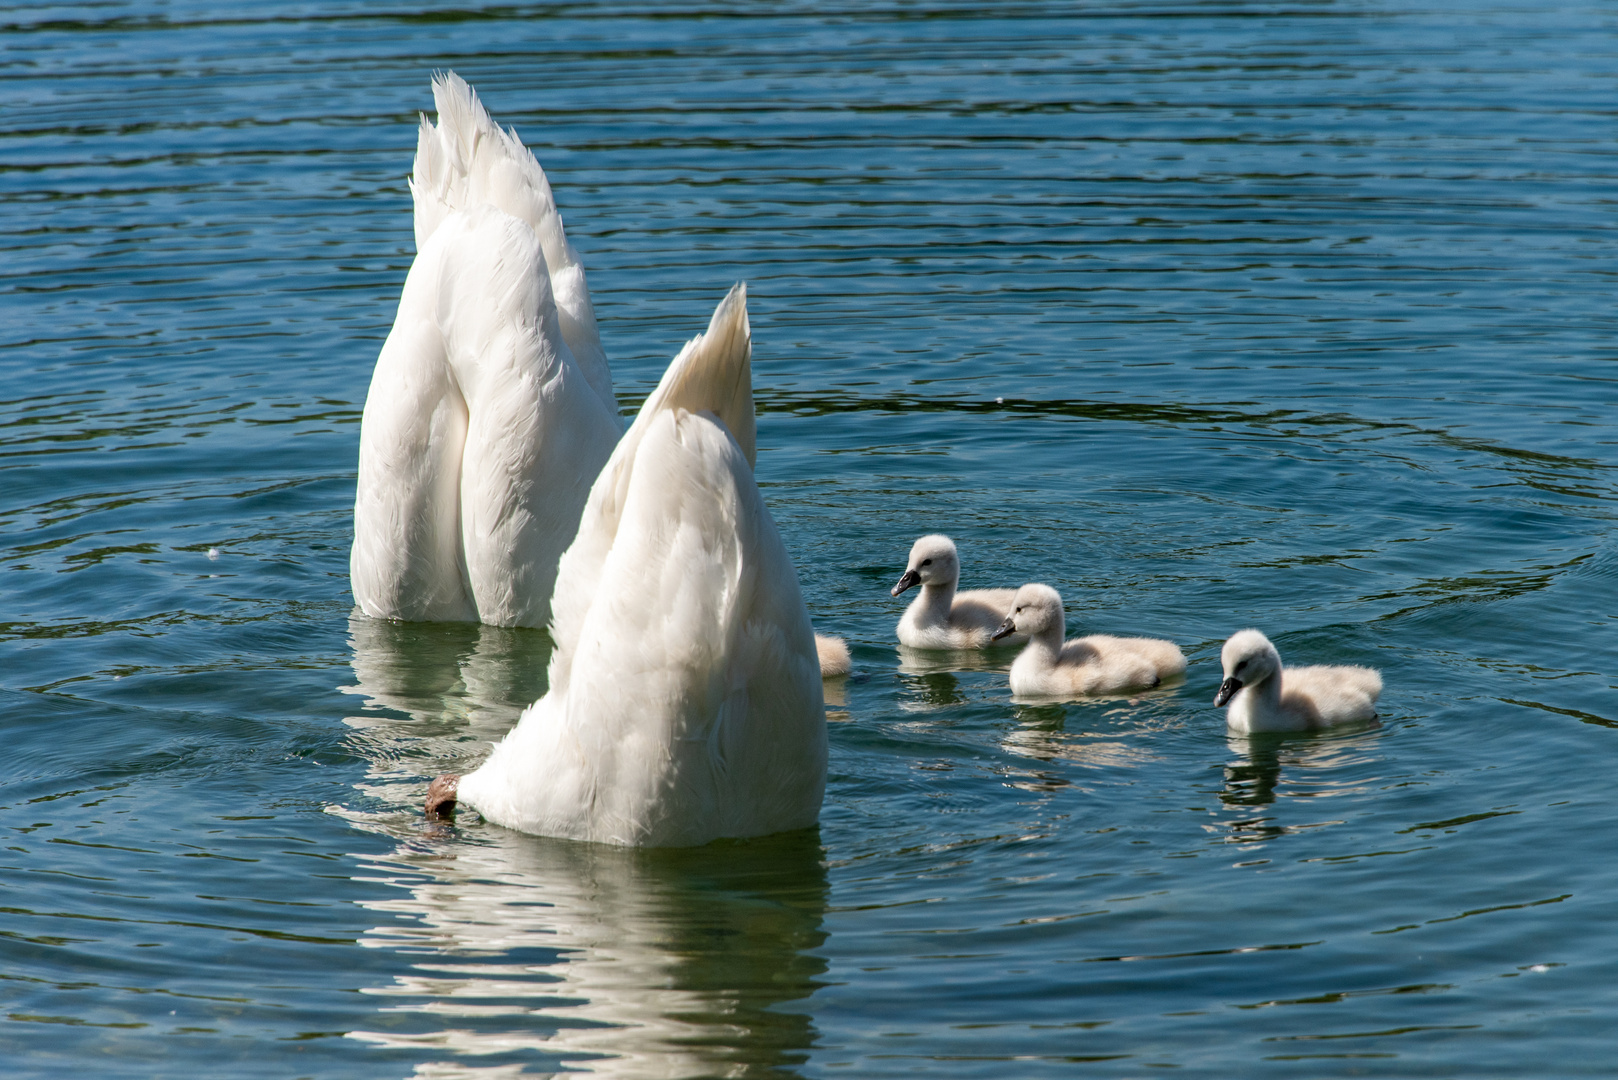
(909, 579)
(1227, 689)
(1007, 628)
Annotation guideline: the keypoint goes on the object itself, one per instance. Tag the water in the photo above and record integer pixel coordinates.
(1210, 314)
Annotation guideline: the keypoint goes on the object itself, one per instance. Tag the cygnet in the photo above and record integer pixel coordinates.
(834, 658)
(1263, 696)
(940, 617)
(1098, 664)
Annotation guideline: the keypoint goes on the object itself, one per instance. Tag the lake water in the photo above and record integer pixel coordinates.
(1210, 314)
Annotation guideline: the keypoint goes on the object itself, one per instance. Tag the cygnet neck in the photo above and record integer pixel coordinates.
(1049, 640)
(937, 598)
(1266, 692)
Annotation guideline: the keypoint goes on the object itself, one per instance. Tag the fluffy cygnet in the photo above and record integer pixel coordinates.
(940, 617)
(834, 659)
(1263, 696)
(1098, 664)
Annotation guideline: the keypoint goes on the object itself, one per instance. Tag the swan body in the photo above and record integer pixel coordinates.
(941, 617)
(1098, 664)
(685, 696)
(483, 427)
(1264, 696)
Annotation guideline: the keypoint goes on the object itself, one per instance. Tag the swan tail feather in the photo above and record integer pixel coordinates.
(714, 373)
(469, 160)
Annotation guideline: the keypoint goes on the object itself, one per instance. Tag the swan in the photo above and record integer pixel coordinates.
(1098, 664)
(685, 699)
(491, 410)
(1264, 696)
(939, 617)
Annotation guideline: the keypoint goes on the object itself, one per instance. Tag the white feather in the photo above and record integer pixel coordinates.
(685, 699)
(482, 432)
(467, 161)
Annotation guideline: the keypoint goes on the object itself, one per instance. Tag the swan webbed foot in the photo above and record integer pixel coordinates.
(441, 796)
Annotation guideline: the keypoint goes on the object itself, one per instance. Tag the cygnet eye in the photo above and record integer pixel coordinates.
(926, 562)
(1241, 665)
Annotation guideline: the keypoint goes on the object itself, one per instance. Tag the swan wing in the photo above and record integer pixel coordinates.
(700, 588)
(693, 709)
(714, 373)
(467, 161)
(1332, 694)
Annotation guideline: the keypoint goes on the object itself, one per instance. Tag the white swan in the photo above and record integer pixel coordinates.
(939, 617)
(1264, 696)
(685, 695)
(1098, 664)
(491, 410)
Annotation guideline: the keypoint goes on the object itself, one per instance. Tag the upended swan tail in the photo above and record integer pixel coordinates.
(468, 161)
(714, 373)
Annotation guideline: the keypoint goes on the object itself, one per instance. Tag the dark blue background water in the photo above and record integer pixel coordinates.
(1210, 314)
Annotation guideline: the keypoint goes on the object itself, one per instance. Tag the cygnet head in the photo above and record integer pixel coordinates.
(1035, 610)
(1249, 659)
(932, 562)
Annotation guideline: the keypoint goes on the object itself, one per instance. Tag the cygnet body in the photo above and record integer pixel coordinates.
(941, 617)
(1264, 696)
(833, 654)
(1098, 664)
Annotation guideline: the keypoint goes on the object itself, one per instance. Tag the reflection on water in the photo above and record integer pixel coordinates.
(608, 961)
(461, 685)
(1046, 733)
(1250, 780)
(835, 692)
(533, 951)
(1313, 766)
(928, 676)
(448, 672)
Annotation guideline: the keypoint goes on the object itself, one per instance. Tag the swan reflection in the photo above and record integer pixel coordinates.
(436, 695)
(928, 675)
(1312, 766)
(586, 959)
(1103, 732)
(534, 956)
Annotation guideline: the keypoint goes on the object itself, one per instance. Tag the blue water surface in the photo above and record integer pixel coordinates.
(1210, 314)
